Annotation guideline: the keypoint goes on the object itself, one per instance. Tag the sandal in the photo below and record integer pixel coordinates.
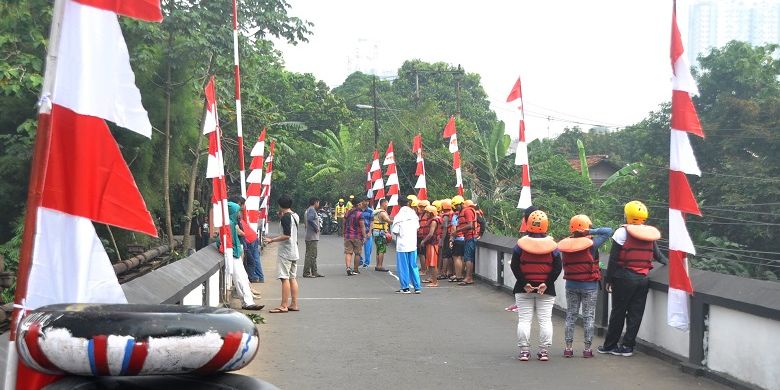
(454, 279)
(426, 281)
(465, 283)
(279, 310)
(432, 285)
(291, 309)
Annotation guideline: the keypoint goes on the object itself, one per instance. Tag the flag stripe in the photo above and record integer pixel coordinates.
(147, 10)
(684, 116)
(680, 194)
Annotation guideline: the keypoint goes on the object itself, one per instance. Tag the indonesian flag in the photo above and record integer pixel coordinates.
(421, 185)
(392, 180)
(79, 175)
(682, 161)
(377, 191)
(521, 151)
(255, 180)
(451, 132)
(265, 193)
(369, 192)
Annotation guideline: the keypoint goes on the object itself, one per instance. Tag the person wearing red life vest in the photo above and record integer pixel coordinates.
(446, 267)
(432, 242)
(536, 264)
(634, 247)
(580, 257)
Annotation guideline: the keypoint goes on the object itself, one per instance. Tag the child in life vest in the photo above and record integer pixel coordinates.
(536, 264)
(580, 257)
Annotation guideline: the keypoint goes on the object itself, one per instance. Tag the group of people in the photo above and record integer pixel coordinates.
(537, 262)
(434, 240)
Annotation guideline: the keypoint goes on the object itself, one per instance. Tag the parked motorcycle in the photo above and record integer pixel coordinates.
(328, 224)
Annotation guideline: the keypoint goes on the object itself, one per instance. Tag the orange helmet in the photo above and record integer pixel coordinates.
(468, 203)
(538, 222)
(423, 203)
(579, 223)
(446, 204)
(431, 209)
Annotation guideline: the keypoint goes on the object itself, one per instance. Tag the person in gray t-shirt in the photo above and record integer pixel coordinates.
(313, 224)
(287, 256)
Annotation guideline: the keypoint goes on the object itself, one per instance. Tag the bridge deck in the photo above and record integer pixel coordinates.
(355, 333)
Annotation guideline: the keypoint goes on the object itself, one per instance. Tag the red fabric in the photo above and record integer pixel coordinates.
(467, 216)
(87, 176)
(536, 268)
(376, 154)
(390, 170)
(416, 143)
(100, 350)
(389, 148)
(211, 94)
(31, 341)
(257, 163)
(249, 233)
(422, 194)
(680, 194)
(425, 225)
(526, 176)
(148, 10)
(515, 93)
(380, 193)
(241, 162)
(580, 266)
(636, 255)
(456, 160)
(522, 130)
(684, 115)
(420, 169)
(393, 190)
(449, 129)
(677, 45)
(29, 379)
(678, 275)
(230, 345)
(460, 190)
(262, 135)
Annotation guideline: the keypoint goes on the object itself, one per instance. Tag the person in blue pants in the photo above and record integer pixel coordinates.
(405, 225)
(368, 217)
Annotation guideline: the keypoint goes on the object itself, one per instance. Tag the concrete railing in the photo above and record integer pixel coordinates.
(734, 321)
(194, 280)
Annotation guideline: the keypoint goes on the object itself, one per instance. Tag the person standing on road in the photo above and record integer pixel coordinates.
(313, 225)
(368, 245)
(354, 236)
(634, 247)
(464, 242)
(341, 210)
(405, 225)
(238, 273)
(446, 268)
(380, 230)
(432, 242)
(580, 256)
(287, 256)
(536, 264)
(421, 233)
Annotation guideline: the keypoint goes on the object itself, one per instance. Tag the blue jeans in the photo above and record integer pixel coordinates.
(367, 250)
(254, 268)
(470, 250)
(406, 265)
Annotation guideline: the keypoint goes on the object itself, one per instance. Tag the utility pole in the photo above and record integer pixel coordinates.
(376, 121)
(458, 76)
(417, 88)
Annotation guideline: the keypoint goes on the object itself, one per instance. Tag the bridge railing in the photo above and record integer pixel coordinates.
(734, 321)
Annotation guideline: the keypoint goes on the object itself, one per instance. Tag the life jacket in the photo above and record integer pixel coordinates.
(341, 210)
(438, 233)
(481, 223)
(578, 261)
(468, 233)
(637, 252)
(536, 260)
(425, 224)
(379, 224)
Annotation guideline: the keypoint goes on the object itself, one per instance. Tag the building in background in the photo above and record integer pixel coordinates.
(713, 23)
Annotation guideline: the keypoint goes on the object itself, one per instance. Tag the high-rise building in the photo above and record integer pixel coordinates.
(713, 23)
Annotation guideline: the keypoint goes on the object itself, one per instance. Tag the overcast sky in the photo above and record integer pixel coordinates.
(598, 61)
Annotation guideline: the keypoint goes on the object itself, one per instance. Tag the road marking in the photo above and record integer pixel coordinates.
(393, 275)
(344, 299)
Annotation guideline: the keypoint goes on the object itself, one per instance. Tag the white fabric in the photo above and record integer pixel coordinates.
(458, 178)
(526, 303)
(214, 166)
(267, 179)
(374, 165)
(679, 239)
(93, 74)
(393, 200)
(681, 157)
(677, 309)
(521, 155)
(255, 176)
(419, 157)
(525, 198)
(210, 122)
(216, 215)
(683, 79)
(378, 184)
(392, 180)
(454, 143)
(258, 149)
(420, 182)
(252, 203)
(620, 235)
(241, 282)
(389, 159)
(69, 263)
(405, 225)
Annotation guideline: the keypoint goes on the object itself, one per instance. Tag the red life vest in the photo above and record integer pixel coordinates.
(578, 261)
(536, 261)
(425, 226)
(637, 252)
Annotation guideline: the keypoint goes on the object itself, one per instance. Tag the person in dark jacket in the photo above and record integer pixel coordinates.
(536, 264)
(634, 247)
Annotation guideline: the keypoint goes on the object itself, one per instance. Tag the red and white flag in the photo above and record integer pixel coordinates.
(254, 182)
(375, 177)
(79, 175)
(392, 180)
(682, 161)
(451, 132)
(369, 190)
(265, 193)
(421, 185)
(521, 151)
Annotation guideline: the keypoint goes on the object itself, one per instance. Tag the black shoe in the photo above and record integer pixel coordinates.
(308, 276)
(350, 272)
(357, 271)
(381, 269)
(601, 349)
(319, 275)
(623, 351)
(403, 291)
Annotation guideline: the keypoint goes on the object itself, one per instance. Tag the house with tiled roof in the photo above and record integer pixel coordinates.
(600, 167)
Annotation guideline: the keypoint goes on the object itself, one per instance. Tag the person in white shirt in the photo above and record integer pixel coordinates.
(404, 228)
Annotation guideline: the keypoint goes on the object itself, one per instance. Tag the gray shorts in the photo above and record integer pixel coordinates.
(287, 268)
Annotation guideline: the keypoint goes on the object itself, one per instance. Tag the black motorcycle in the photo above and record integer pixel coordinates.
(328, 224)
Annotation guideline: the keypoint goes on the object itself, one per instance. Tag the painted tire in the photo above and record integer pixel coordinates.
(109, 340)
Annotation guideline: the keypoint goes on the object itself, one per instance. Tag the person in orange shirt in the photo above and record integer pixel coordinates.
(432, 241)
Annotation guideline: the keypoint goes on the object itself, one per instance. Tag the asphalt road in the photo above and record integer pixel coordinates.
(355, 333)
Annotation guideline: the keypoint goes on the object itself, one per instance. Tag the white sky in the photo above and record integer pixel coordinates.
(601, 61)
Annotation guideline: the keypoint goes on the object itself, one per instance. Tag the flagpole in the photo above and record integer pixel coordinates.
(239, 124)
(35, 189)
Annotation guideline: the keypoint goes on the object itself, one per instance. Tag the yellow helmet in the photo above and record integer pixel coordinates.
(636, 212)
(341, 199)
(431, 209)
(446, 204)
(411, 197)
(457, 199)
(352, 197)
(423, 203)
(437, 204)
